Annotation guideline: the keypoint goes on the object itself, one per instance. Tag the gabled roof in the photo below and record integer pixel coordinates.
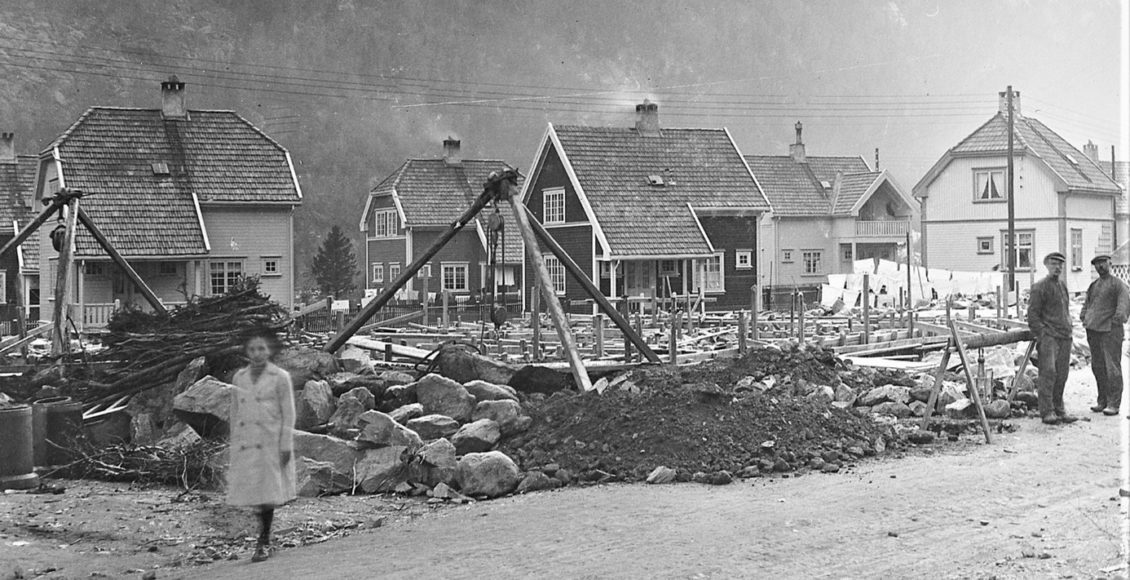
(852, 188)
(145, 176)
(434, 193)
(1073, 170)
(17, 182)
(618, 171)
(795, 189)
(17, 185)
(1122, 176)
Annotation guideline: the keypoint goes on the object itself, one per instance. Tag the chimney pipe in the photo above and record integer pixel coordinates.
(1002, 103)
(1091, 151)
(451, 154)
(7, 147)
(647, 119)
(876, 159)
(1113, 166)
(172, 99)
(796, 150)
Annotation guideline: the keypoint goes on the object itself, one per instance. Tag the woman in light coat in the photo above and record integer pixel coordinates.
(261, 474)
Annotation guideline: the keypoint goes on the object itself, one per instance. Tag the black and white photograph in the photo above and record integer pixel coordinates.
(564, 288)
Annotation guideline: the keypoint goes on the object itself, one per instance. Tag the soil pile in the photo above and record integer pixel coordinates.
(748, 416)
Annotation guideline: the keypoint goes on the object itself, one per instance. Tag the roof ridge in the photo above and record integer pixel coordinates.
(633, 129)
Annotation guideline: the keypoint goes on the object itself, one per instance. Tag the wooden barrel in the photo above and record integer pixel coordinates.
(55, 420)
(17, 471)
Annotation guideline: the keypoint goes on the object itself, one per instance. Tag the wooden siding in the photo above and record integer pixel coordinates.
(951, 194)
(465, 247)
(381, 202)
(799, 234)
(729, 234)
(10, 265)
(577, 242)
(551, 174)
(384, 252)
(252, 234)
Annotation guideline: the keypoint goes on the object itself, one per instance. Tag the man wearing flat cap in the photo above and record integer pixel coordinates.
(1104, 315)
(1049, 318)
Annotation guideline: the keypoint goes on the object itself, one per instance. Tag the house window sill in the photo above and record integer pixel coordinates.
(1002, 200)
(270, 275)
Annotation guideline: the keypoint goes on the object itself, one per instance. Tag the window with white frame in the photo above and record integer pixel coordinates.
(94, 269)
(378, 273)
(744, 259)
(393, 271)
(605, 270)
(709, 275)
(985, 245)
(1077, 249)
(425, 271)
(270, 266)
(166, 268)
(385, 223)
(454, 276)
(503, 275)
(1106, 239)
(812, 261)
(786, 256)
(556, 273)
(668, 267)
(553, 206)
(989, 185)
(1025, 243)
(223, 275)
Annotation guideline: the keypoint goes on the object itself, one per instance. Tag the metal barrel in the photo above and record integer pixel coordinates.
(17, 471)
(56, 422)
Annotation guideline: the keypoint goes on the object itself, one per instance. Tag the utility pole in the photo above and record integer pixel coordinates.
(1010, 245)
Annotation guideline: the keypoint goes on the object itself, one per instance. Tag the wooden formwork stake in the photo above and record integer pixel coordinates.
(535, 321)
(743, 346)
(866, 297)
(445, 318)
(755, 306)
(800, 317)
(673, 340)
(598, 334)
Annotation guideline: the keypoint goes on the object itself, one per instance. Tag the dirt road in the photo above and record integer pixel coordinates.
(1039, 503)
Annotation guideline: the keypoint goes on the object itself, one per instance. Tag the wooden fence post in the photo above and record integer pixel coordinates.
(743, 346)
(673, 340)
(598, 334)
(755, 305)
(866, 309)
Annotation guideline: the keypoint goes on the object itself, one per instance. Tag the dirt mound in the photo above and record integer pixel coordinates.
(705, 418)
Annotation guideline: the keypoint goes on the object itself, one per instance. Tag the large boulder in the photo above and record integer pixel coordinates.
(961, 409)
(507, 413)
(315, 478)
(394, 378)
(381, 470)
(458, 364)
(899, 410)
(442, 396)
(489, 474)
(885, 393)
(431, 427)
(434, 463)
(398, 396)
(534, 481)
(354, 360)
(537, 379)
(314, 404)
(921, 391)
(484, 391)
(476, 437)
(350, 406)
(406, 413)
(306, 363)
(950, 392)
(342, 455)
(380, 430)
(845, 395)
(998, 409)
(205, 406)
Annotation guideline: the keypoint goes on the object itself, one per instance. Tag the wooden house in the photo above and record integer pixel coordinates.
(408, 210)
(19, 269)
(828, 211)
(1120, 172)
(1064, 202)
(649, 211)
(194, 199)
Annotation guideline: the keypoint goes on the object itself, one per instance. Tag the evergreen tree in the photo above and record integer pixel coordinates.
(335, 266)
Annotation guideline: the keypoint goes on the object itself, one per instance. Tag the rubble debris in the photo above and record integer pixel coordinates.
(314, 404)
(349, 408)
(536, 481)
(381, 430)
(406, 413)
(661, 474)
(205, 406)
(381, 470)
(484, 391)
(434, 463)
(507, 413)
(431, 427)
(443, 396)
(476, 437)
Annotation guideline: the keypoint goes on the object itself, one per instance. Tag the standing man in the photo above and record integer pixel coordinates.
(1104, 314)
(1050, 320)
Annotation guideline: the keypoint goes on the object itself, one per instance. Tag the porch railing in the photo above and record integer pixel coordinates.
(882, 228)
(94, 317)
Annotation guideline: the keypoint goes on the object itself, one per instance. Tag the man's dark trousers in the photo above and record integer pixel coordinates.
(1106, 363)
(1054, 356)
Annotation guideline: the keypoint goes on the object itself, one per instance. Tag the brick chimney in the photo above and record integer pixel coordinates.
(1002, 103)
(172, 99)
(647, 119)
(796, 150)
(1092, 151)
(451, 154)
(7, 147)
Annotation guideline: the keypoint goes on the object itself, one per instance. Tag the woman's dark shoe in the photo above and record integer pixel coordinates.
(262, 552)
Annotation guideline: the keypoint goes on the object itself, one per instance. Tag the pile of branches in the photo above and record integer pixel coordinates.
(145, 349)
(191, 467)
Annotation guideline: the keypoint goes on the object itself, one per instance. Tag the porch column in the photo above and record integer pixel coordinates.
(197, 278)
(80, 280)
(854, 256)
(686, 276)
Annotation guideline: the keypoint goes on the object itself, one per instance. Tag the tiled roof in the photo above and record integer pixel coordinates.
(700, 167)
(17, 182)
(852, 187)
(795, 189)
(1122, 176)
(112, 154)
(1030, 135)
(434, 193)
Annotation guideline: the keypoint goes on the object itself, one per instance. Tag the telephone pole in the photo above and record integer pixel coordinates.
(1010, 245)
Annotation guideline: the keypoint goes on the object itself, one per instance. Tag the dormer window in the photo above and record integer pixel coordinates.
(825, 184)
(655, 180)
(160, 169)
